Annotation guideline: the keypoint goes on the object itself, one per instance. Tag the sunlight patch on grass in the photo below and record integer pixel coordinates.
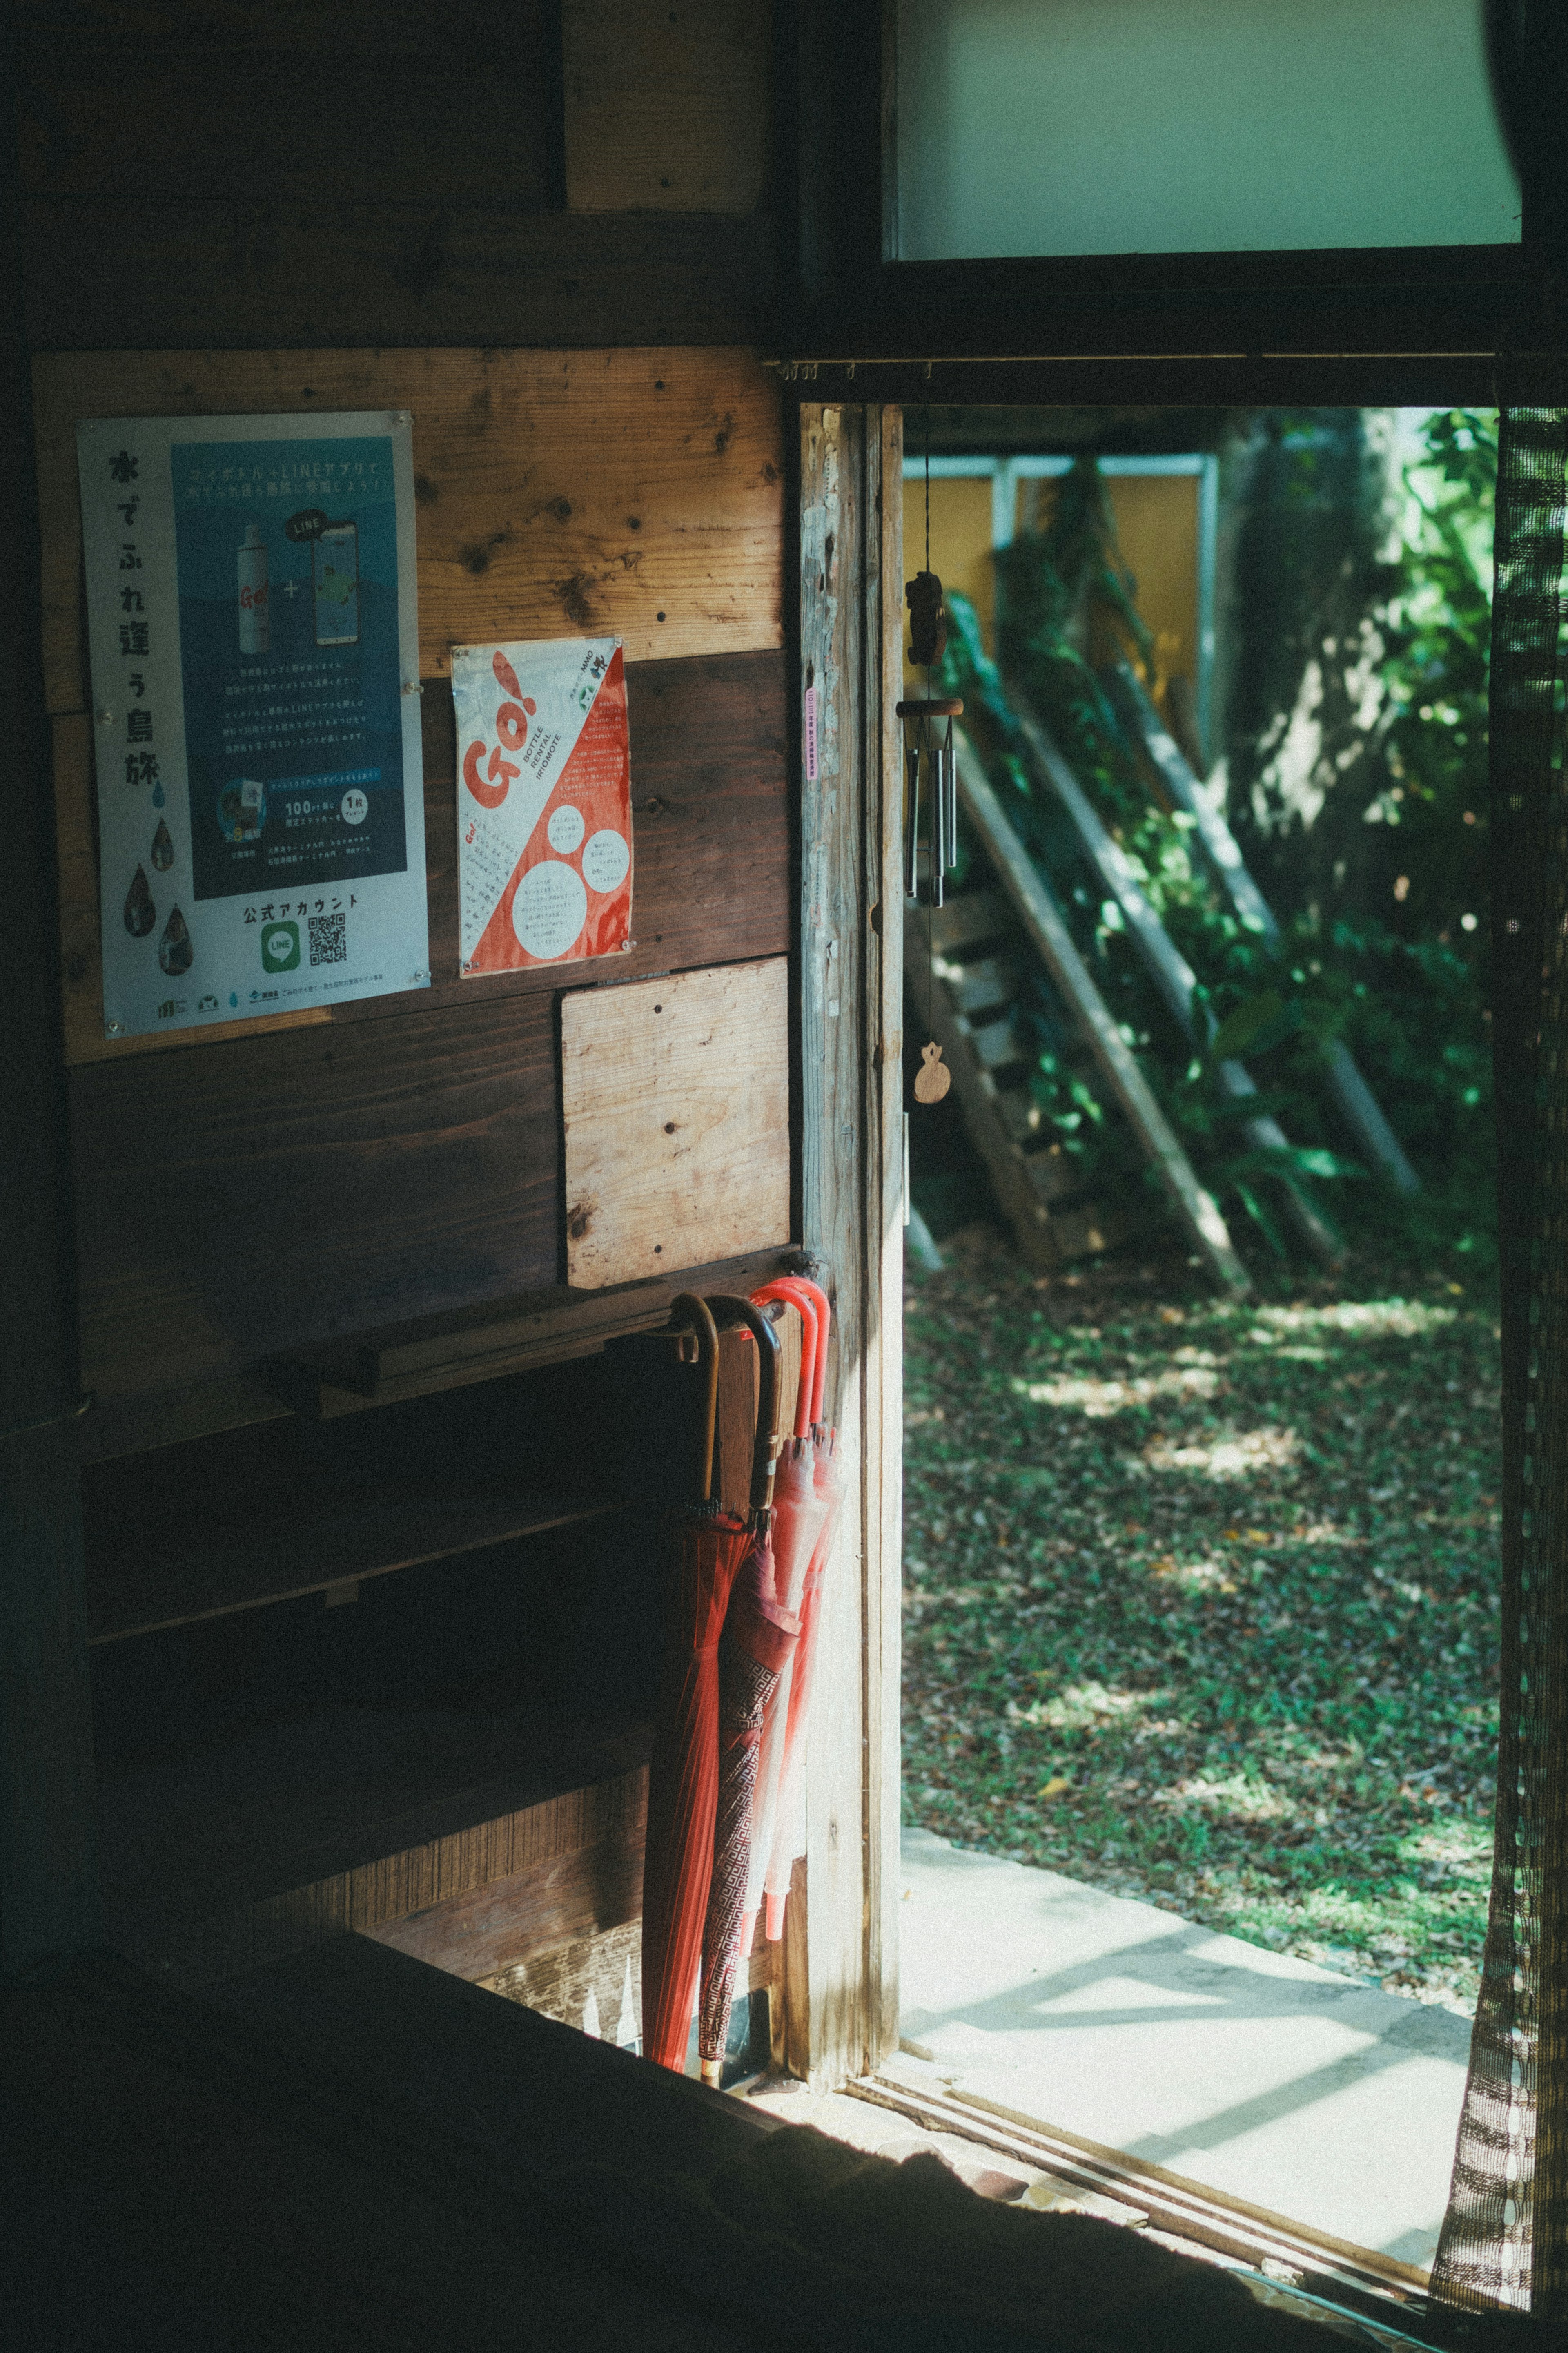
(1082, 1705)
(1363, 1319)
(1236, 1798)
(1235, 1457)
(1098, 1399)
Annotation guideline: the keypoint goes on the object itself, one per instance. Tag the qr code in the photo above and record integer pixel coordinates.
(328, 944)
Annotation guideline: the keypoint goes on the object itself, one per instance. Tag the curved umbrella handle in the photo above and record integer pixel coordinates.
(728, 1312)
(685, 1308)
(791, 1296)
(814, 1291)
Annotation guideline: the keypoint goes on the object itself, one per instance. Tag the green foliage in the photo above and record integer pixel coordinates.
(1407, 996)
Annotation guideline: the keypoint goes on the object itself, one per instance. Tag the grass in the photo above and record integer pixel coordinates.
(1201, 1600)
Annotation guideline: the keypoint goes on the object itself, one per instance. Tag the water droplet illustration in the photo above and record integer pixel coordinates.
(175, 952)
(140, 914)
(157, 796)
(162, 848)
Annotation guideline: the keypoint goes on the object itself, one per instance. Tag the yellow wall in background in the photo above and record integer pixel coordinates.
(1156, 522)
(959, 547)
(1157, 525)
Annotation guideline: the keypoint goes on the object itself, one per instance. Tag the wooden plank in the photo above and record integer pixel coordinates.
(666, 109)
(1172, 977)
(139, 1590)
(172, 124)
(976, 988)
(251, 273)
(634, 493)
(1357, 1105)
(882, 1049)
(975, 916)
(278, 1191)
(675, 1104)
(841, 1966)
(546, 1937)
(49, 1891)
(1006, 1163)
(326, 1826)
(401, 32)
(711, 820)
(1048, 933)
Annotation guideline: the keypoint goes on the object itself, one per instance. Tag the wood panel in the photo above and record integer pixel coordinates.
(675, 1104)
(278, 1190)
(211, 1889)
(560, 493)
(284, 1189)
(841, 1977)
(666, 107)
(710, 826)
(250, 274)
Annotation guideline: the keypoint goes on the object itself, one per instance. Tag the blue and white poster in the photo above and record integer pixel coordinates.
(254, 641)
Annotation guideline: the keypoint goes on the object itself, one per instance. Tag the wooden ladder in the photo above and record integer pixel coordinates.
(980, 973)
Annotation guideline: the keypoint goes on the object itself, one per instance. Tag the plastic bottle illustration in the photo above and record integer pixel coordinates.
(254, 622)
(140, 914)
(175, 952)
(162, 848)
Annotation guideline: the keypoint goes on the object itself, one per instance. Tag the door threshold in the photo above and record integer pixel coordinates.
(1392, 2297)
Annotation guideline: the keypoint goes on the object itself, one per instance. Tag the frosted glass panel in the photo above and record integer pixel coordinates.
(1194, 126)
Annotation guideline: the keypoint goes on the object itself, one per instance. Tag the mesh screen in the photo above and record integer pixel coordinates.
(1505, 2238)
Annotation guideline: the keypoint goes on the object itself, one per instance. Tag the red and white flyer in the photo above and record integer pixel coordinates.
(544, 803)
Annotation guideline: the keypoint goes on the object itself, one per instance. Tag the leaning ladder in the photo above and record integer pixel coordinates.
(981, 945)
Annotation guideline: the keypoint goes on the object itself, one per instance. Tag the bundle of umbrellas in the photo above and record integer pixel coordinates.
(726, 1787)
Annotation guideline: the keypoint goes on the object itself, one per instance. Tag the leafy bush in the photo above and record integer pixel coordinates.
(1407, 995)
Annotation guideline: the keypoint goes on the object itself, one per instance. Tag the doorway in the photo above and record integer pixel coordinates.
(1200, 1664)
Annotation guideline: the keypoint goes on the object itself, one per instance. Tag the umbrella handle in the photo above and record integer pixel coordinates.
(814, 1291)
(687, 1309)
(787, 1290)
(728, 1310)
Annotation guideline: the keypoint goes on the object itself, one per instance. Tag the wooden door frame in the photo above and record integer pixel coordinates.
(840, 2010)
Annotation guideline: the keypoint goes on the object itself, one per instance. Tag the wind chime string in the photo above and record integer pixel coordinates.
(928, 635)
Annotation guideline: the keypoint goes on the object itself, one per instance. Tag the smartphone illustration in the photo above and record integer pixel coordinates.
(334, 566)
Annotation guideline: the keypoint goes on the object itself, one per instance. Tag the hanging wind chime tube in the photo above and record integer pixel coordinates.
(930, 789)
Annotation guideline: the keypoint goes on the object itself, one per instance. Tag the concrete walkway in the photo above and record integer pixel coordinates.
(1326, 2101)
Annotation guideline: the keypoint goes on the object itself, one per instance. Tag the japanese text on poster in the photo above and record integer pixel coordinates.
(544, 819)
(254, 642)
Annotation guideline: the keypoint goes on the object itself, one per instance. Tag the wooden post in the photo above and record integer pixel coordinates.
(841, 1977)
(48, 1861)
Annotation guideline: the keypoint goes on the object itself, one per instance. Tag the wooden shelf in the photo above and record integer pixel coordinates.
(344, 1817)
(294, 1507)
(139, 1587)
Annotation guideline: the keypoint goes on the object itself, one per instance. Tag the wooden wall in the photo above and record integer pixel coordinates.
(266, 172)
(288, 1182)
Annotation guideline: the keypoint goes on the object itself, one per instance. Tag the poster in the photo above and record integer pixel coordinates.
(545, 810)
(253, 643)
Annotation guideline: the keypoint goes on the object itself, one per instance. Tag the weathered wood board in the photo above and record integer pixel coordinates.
(666, 109)
(633, 492)
(675, 1104)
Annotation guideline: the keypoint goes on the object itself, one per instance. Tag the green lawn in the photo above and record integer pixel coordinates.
(1201, 1601)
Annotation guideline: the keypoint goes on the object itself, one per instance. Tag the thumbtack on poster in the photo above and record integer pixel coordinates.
(544, 803)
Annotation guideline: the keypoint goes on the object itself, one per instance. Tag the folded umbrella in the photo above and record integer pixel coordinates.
(789, 1823)
(759, 1634)
(799, 1511)
(683, 1771)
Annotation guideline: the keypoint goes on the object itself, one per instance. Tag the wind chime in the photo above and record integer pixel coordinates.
(930, 785)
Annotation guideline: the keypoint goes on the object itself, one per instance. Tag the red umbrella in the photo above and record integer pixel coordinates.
(759, 1635)
(799, 1511)
(683, 1772)
(788, 1837)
